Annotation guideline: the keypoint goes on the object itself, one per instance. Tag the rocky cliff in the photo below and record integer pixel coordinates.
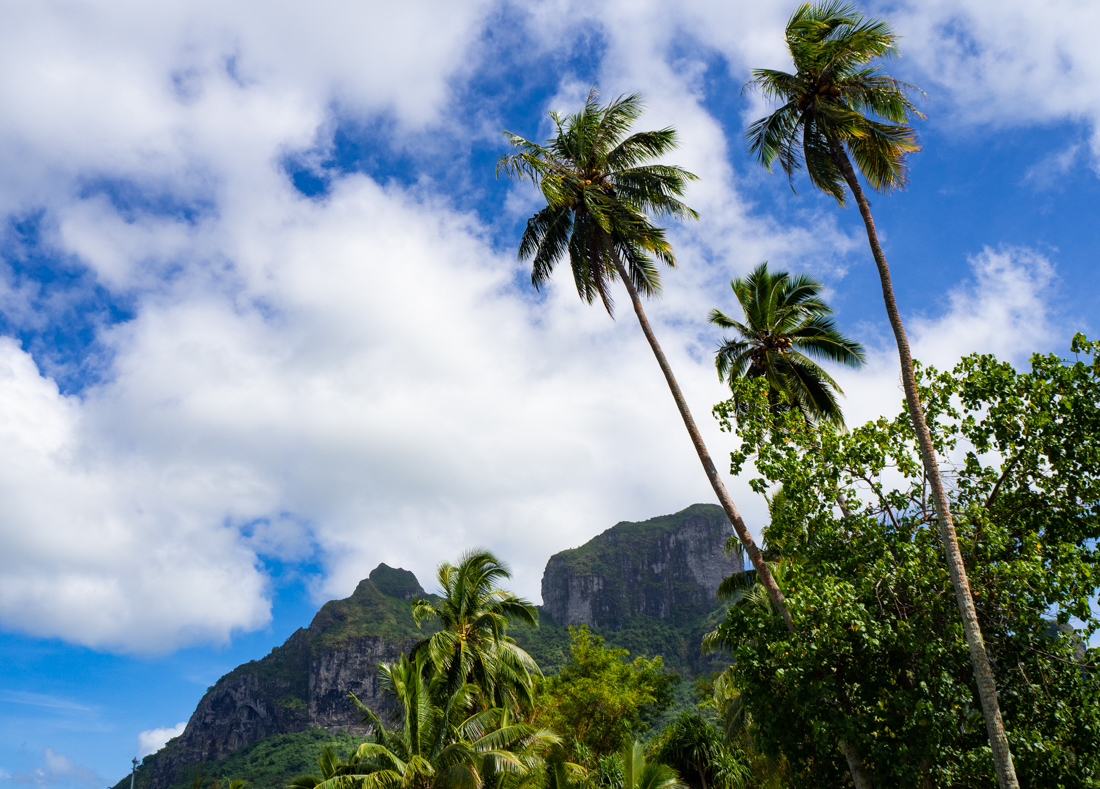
(661, 568)
(305, 682)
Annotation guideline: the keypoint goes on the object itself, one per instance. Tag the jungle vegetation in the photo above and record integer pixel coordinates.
(920, 609)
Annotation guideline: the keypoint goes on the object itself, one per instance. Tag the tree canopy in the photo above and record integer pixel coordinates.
(871, 595)
(601, 700)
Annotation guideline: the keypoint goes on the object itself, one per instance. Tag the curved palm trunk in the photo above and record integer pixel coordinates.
(983, 672)
(855, 762)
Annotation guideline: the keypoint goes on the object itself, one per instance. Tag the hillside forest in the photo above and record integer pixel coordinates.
(920, 608)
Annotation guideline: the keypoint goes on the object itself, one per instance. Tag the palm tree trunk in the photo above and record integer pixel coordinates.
(855, 762)
(757, 559)
(983, 671)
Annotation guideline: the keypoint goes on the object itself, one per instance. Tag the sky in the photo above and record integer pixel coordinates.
(263, 327)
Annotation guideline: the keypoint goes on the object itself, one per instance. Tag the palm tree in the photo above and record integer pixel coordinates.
(335, 773)
(835, 109)
(786, 323)
(599, 185)
(693, 746)
(472, 645)
(443, 743)
(638, 773)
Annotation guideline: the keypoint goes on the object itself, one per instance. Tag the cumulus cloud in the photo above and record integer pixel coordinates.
(1007, 307)
(80, 558)
(57, 770)
(163, 91)
(1000, 65)
(1009, 63)
(152, 740)
(356, 378)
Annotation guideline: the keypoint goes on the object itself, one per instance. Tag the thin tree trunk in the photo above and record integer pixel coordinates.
(983, 672)
(855, 763)
(855, 766)
(757, 559)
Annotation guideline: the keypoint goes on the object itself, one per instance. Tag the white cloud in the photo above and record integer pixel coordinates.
(57, 770)
(355, 376)
(353, 379)
(1006, 308)
(1008, 63)
(98, 549)
(152, 740)
(990, 64)
(43, 700)
(1052, 168)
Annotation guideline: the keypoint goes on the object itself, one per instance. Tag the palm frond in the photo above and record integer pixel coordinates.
(785, 319)
(836, 97)
(601, 187)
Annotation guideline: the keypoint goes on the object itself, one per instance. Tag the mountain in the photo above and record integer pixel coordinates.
(663, 568)
(305, 682)
(648, 587)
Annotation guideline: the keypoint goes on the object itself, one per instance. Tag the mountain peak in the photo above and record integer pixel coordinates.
(396, 582)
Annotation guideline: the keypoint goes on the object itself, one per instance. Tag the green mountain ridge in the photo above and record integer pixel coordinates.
(648, 595)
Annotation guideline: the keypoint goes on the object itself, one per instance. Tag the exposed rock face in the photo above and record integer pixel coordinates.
(305, 682)
(663, 567)
(251, 702)
(353, 668)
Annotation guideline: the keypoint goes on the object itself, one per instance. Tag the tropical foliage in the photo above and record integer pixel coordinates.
(836, 109)
(696, 749)
(835, 101)
(472, 645)
(601, 700)
(787, 325)
(600, 187)
(447, 741)
(872, 599)
(642, 773)
(451, 732)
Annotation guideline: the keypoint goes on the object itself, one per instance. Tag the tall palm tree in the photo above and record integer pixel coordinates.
(472, 645)
(600, 185)
(835, 110)
(787, 325)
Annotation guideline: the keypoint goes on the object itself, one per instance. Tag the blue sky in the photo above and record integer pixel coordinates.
(262, 326)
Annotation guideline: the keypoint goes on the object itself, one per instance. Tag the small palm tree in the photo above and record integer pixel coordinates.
(335, 773)
(472, 645)
(638, 773)
(787, 325)
(443, 743)
(693, 746)
(600, 187)
(835, 110)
